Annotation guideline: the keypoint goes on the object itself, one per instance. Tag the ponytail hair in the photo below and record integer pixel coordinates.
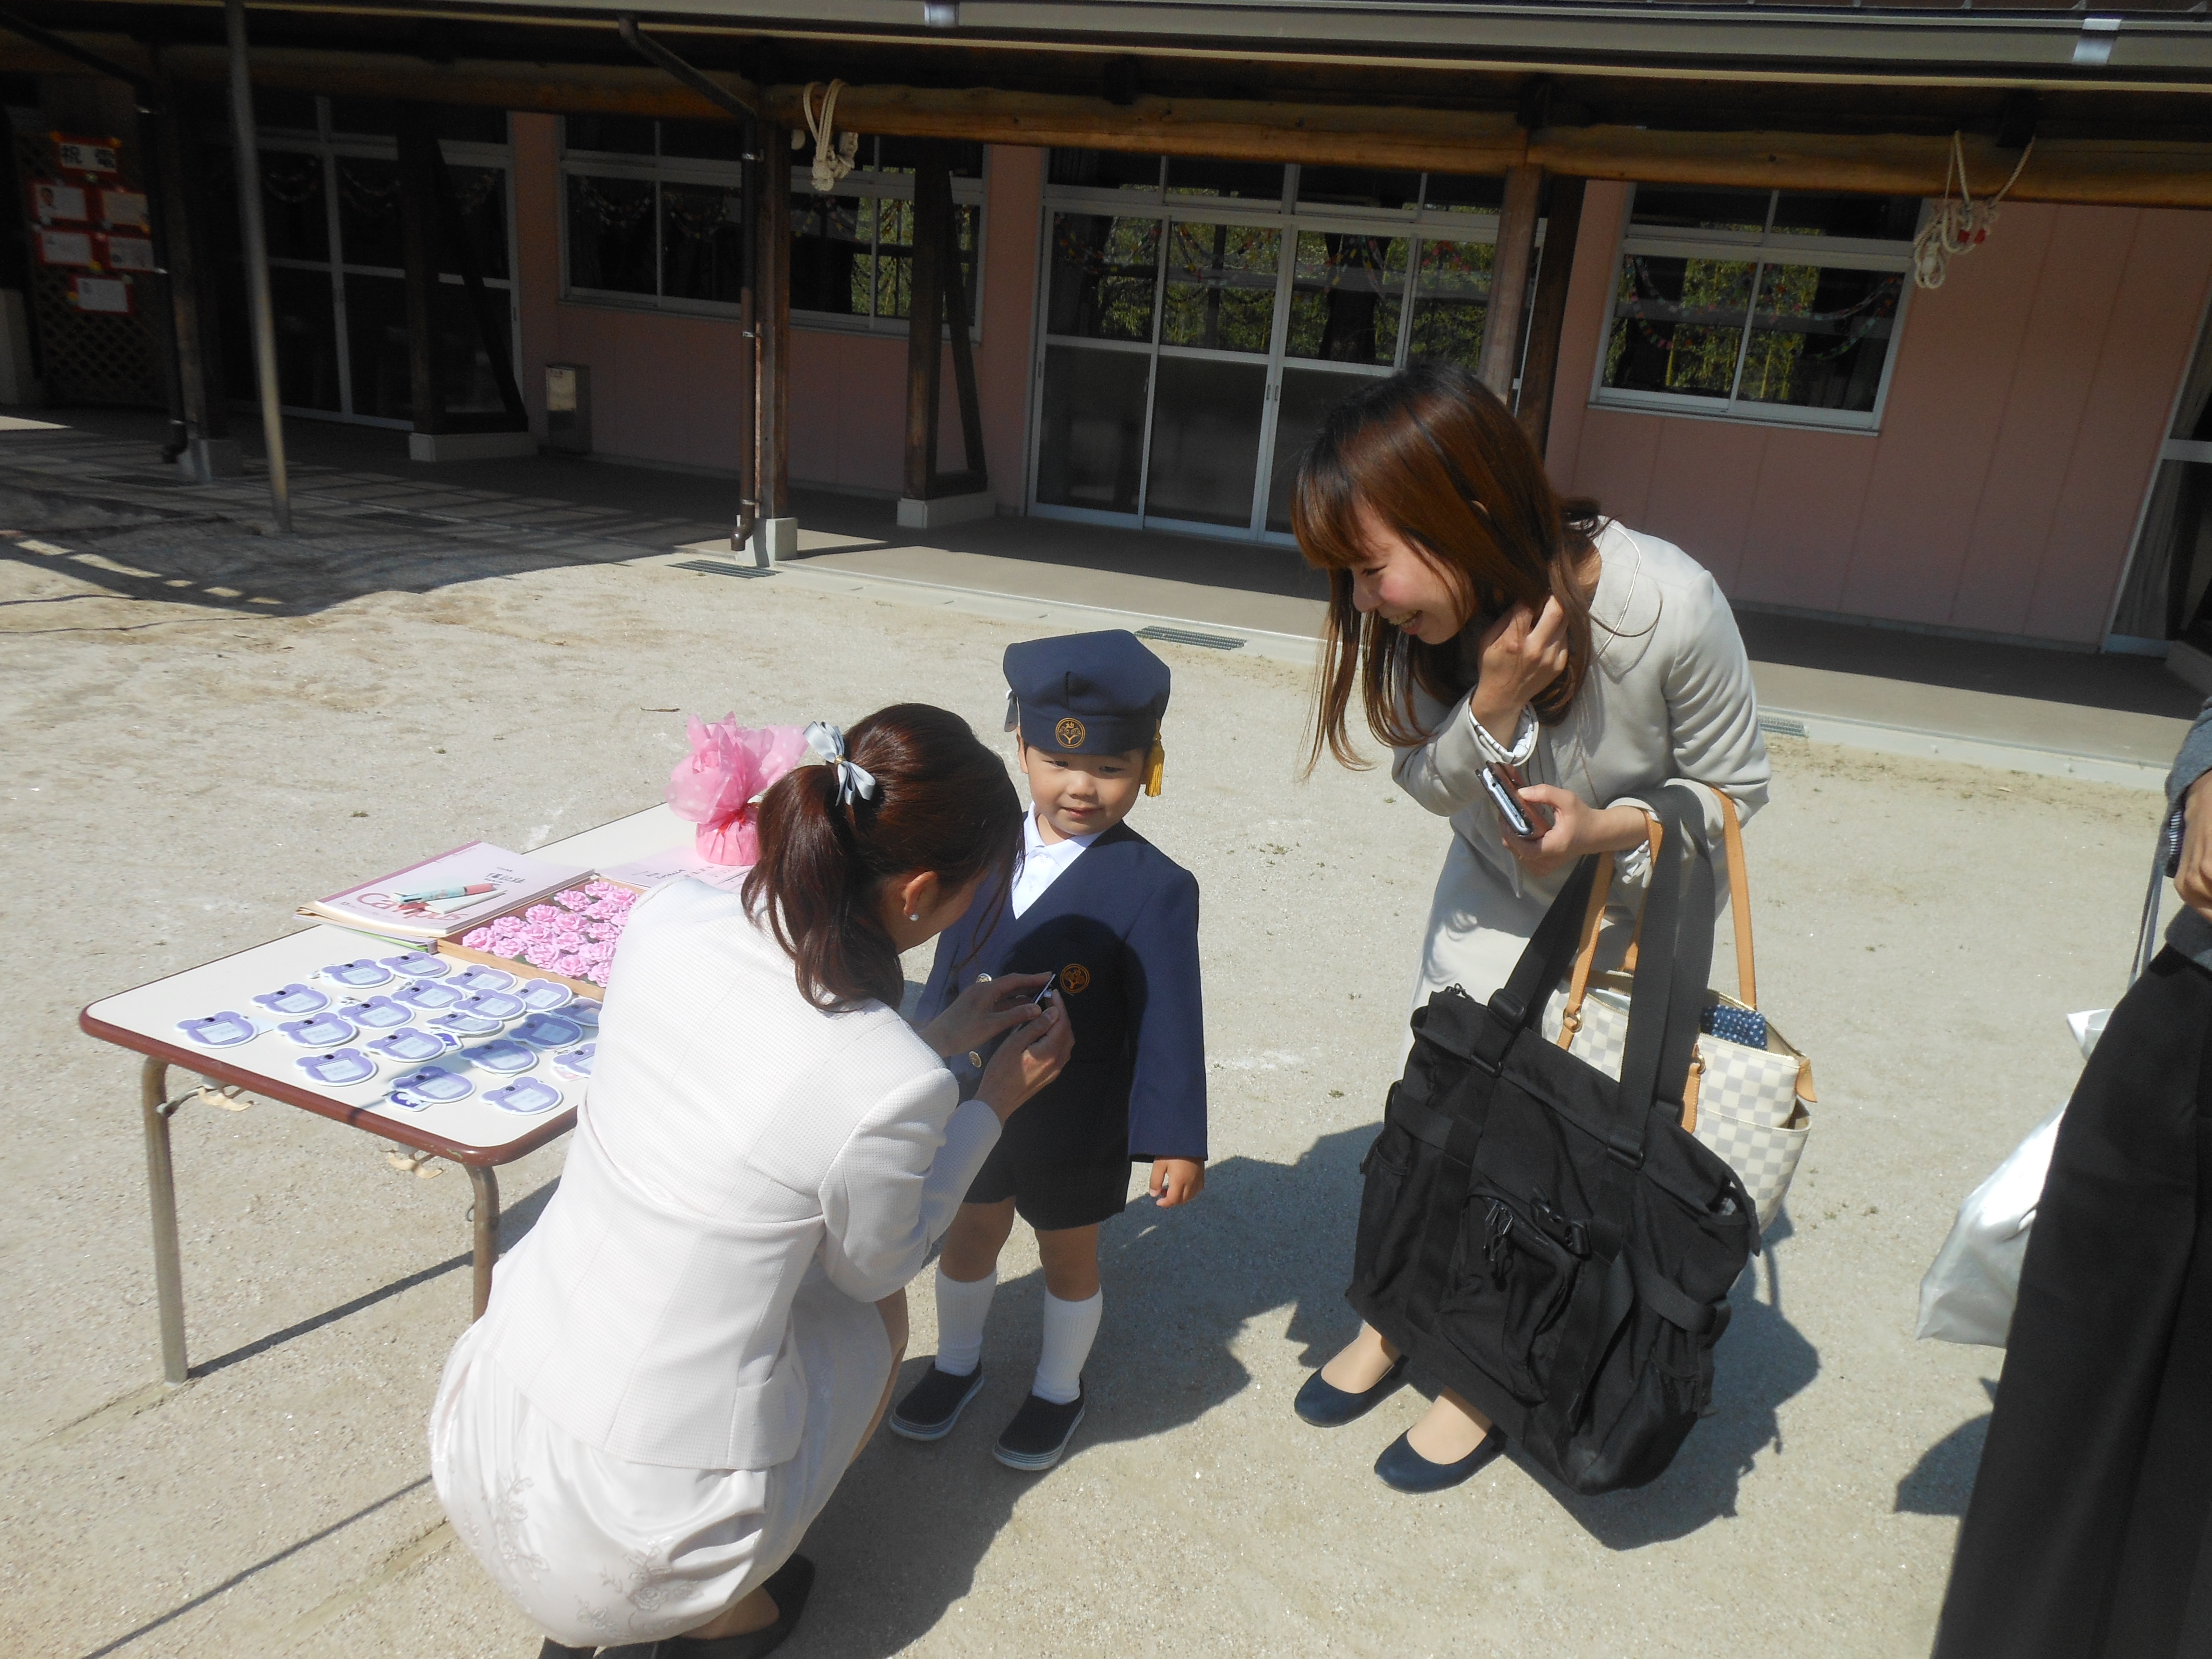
(943, 804)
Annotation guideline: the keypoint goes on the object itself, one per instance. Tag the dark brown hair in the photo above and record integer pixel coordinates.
(1438, 459)
(943, 804)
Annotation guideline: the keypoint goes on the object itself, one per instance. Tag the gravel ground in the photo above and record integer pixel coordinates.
(202, 725)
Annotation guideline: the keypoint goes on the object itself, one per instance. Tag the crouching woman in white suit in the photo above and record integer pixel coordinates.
(701, 1332)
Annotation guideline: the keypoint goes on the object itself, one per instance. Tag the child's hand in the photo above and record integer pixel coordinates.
(1176, 1181)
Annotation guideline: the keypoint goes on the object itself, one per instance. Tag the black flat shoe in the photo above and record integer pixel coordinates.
(1328, 1406)
(788, 1586)
(553, 1649)
(1404, 1469)
(933, 1405)
(1039, 1434)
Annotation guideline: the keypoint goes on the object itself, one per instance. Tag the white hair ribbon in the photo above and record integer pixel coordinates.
(829, 742)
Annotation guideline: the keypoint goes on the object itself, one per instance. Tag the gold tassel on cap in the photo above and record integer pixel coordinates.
(1155, 766)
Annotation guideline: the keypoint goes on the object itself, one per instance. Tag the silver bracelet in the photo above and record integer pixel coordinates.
(1524, 738)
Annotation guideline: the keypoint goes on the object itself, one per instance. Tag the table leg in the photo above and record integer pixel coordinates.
(161, 1193)
(487, 1215)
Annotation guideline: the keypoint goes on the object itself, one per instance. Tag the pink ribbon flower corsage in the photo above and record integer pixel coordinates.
(718, 784)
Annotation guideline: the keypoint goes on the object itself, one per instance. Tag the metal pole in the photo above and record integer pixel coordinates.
(161, 1193)
(246, 137)
(486, 1181)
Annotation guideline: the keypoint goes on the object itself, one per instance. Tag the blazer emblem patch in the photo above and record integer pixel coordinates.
(1074, 979)
(1070, 731)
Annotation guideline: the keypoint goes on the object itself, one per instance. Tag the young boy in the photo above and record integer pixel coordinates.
(1095, 903)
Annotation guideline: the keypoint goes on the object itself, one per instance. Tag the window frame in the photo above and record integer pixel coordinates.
(655, 170)
(1759, 249)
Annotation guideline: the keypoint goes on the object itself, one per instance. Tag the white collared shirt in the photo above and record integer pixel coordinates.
(1043, 862)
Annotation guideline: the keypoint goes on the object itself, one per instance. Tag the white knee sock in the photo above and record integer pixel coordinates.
(1069, 1329)
(962, 1307)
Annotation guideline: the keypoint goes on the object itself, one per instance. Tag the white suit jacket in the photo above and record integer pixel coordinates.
(738, 1143)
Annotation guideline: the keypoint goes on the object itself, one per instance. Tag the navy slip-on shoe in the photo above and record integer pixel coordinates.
(1328, 1406)
(933, 1405)
(1039, 1434)
(1404, 1469)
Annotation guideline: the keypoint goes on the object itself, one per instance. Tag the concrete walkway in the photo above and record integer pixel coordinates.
(2112, 718)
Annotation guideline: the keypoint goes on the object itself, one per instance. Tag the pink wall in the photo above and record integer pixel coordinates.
(664, 386)
(2024, 416)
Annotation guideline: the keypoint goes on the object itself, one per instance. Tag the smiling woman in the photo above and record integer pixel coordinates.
(1519, 654)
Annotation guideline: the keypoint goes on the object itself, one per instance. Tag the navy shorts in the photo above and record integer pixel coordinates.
(1052, 1192)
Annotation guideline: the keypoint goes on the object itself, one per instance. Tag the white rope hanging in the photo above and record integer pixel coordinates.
(834, 154)
(1954, 226)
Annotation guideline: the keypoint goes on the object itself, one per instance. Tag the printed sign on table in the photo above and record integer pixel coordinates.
(87, 155)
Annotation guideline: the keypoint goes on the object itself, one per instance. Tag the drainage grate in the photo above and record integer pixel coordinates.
(1781, 726)
(1184, 636)
(717, 567)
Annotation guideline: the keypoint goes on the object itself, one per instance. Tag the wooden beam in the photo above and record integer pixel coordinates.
(1509, 281)
(1539, 361)
(2107, 171)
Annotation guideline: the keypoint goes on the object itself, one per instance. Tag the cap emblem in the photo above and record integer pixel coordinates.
(1070, 733)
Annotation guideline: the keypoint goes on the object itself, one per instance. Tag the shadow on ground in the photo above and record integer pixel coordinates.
(1943, 1479)
(911, 1522)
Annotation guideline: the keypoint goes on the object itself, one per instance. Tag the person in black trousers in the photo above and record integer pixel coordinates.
(2087, 1535)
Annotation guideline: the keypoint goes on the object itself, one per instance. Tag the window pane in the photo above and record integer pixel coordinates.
(1819, 336)
(702, 231)
(1091, 445)
(1104, 270)
(1206, 440)
(1451, 301)
(482, 192)
(1889, 218)
(610, 233)
(1677, 324)
(1345, 297)
(829, 268)
(1201, 175)
(292, 210)
(898, 156)
(1306, 397)
(1465, 192)
(376, 343)
(1104, 169)
(368, 212)
(1220, 286)
(1367, 187)
(1694, 207)
(705, 141)
(894, 263)
(625, 135)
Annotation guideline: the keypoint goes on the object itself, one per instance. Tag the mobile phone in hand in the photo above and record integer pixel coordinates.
(1503, 783)
(1045, 990)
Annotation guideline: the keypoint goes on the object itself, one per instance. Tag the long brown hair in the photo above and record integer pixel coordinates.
(1438, 459)
(943, 804)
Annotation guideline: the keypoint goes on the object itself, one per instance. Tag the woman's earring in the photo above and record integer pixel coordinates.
(914, 915)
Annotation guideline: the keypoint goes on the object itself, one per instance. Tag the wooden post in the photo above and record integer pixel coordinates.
(169, 175)
(926, 297)
(1508, 280)
(1539, 368)
(492, 326)
(247, 136)
(773, 307)
(964, 348)
(749, 174)
(418, 254)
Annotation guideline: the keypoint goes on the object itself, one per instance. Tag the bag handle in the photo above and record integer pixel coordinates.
(1668, 994)
(1518, 1003)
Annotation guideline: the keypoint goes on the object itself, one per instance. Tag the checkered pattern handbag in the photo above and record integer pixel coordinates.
(1747, 1089)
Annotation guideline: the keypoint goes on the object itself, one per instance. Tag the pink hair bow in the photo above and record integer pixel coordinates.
(717, 786)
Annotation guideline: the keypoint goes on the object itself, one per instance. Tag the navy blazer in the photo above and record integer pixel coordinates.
(1120, 926)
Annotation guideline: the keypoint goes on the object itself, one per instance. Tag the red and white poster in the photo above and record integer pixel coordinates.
(51, 199)
(124, 210)
(127, 252)
(65, 247)
(87, 155)
(110, 295)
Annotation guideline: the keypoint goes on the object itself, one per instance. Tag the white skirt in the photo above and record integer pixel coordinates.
(598, 1549)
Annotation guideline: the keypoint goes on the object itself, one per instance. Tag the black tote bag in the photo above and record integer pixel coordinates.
(1548, 1242)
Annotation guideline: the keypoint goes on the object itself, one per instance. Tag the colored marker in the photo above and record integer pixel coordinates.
(448, 893)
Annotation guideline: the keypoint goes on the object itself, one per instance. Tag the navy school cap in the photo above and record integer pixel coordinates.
(1087, 693)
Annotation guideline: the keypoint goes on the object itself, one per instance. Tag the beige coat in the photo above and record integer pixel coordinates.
(1669, 699)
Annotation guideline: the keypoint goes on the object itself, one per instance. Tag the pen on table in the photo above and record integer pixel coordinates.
(469, 891)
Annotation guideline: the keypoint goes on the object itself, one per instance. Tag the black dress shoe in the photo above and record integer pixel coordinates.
(553, 1649)
(788, 1586)
(933, 1405)
(1328, 1406)
(1039, 1433)
(1404, 1469)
